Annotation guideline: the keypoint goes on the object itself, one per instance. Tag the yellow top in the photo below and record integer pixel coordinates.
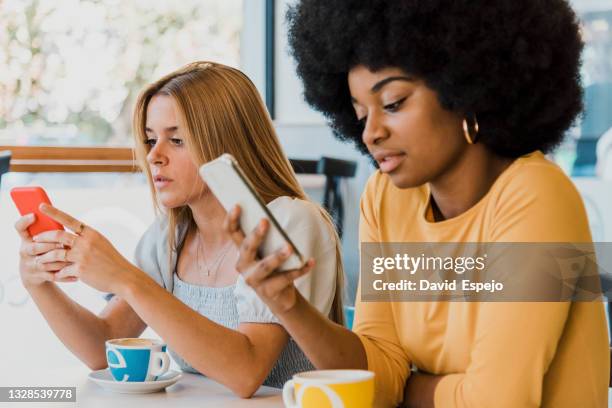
(496, 354)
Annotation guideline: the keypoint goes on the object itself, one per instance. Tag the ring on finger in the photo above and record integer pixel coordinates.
(80, 229)
(65, 255)
(263, 266)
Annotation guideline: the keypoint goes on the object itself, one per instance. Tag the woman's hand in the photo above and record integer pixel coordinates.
(33, 272)
(275, 289)
(89, 255)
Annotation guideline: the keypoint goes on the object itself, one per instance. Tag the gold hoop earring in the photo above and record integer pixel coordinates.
(467, 133)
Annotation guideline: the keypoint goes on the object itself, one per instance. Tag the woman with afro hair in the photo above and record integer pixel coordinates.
(457, 102)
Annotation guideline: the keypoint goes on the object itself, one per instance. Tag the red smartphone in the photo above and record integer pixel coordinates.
(27, 200)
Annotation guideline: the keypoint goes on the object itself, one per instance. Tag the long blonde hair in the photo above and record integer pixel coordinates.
(220, 111)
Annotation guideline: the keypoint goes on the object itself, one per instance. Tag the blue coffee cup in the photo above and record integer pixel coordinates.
(136, 360)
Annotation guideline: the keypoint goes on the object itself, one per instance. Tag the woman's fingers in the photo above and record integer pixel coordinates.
(53, 277)
(56, 236)
(65, 219)
(275, 284)
(231, 224)
(51, 266)
(22, 225)
(56, 255)
(250, 245)
(38, 248)
(66, 272)
(66, 279)
(266, 266)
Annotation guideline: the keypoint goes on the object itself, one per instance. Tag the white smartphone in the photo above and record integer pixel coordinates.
(232, 187)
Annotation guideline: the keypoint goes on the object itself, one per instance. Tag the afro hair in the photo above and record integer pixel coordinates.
(515, 64)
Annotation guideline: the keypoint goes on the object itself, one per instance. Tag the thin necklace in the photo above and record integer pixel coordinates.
(217, 262)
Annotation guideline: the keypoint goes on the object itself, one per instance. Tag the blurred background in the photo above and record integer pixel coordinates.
(70, 71)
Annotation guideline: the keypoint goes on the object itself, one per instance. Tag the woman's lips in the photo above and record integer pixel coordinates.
(389, 163)
(161, 182)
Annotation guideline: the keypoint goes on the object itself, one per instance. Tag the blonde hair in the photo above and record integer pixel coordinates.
(220, 111)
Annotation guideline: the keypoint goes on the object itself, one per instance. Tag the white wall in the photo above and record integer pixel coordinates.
(290, 105)
(252, 43)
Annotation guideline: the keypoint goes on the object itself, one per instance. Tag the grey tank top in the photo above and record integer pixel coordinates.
(219, 305)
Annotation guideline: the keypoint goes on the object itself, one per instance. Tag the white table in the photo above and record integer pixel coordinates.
(190, 391)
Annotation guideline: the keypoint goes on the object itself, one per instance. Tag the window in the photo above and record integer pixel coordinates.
(70, 70)
(588, 150)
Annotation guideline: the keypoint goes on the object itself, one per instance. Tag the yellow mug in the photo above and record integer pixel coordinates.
(330, 389)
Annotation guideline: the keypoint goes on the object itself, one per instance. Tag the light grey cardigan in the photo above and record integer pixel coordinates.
(232, 305)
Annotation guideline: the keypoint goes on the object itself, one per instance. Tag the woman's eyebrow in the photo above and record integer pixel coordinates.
(168, 129)
(381, 84)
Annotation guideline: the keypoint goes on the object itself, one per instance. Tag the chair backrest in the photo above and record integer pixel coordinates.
(334, 170)
(5, 162)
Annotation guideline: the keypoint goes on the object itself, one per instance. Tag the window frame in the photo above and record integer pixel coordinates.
(67, 159)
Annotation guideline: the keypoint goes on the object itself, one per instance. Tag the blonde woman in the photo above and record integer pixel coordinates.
(184, 283)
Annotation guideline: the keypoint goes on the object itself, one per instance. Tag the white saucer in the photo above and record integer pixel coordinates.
(105, 379)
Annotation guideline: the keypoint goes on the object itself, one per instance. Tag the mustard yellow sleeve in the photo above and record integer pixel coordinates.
(515, 343)
(374, 323)
(386, 358)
